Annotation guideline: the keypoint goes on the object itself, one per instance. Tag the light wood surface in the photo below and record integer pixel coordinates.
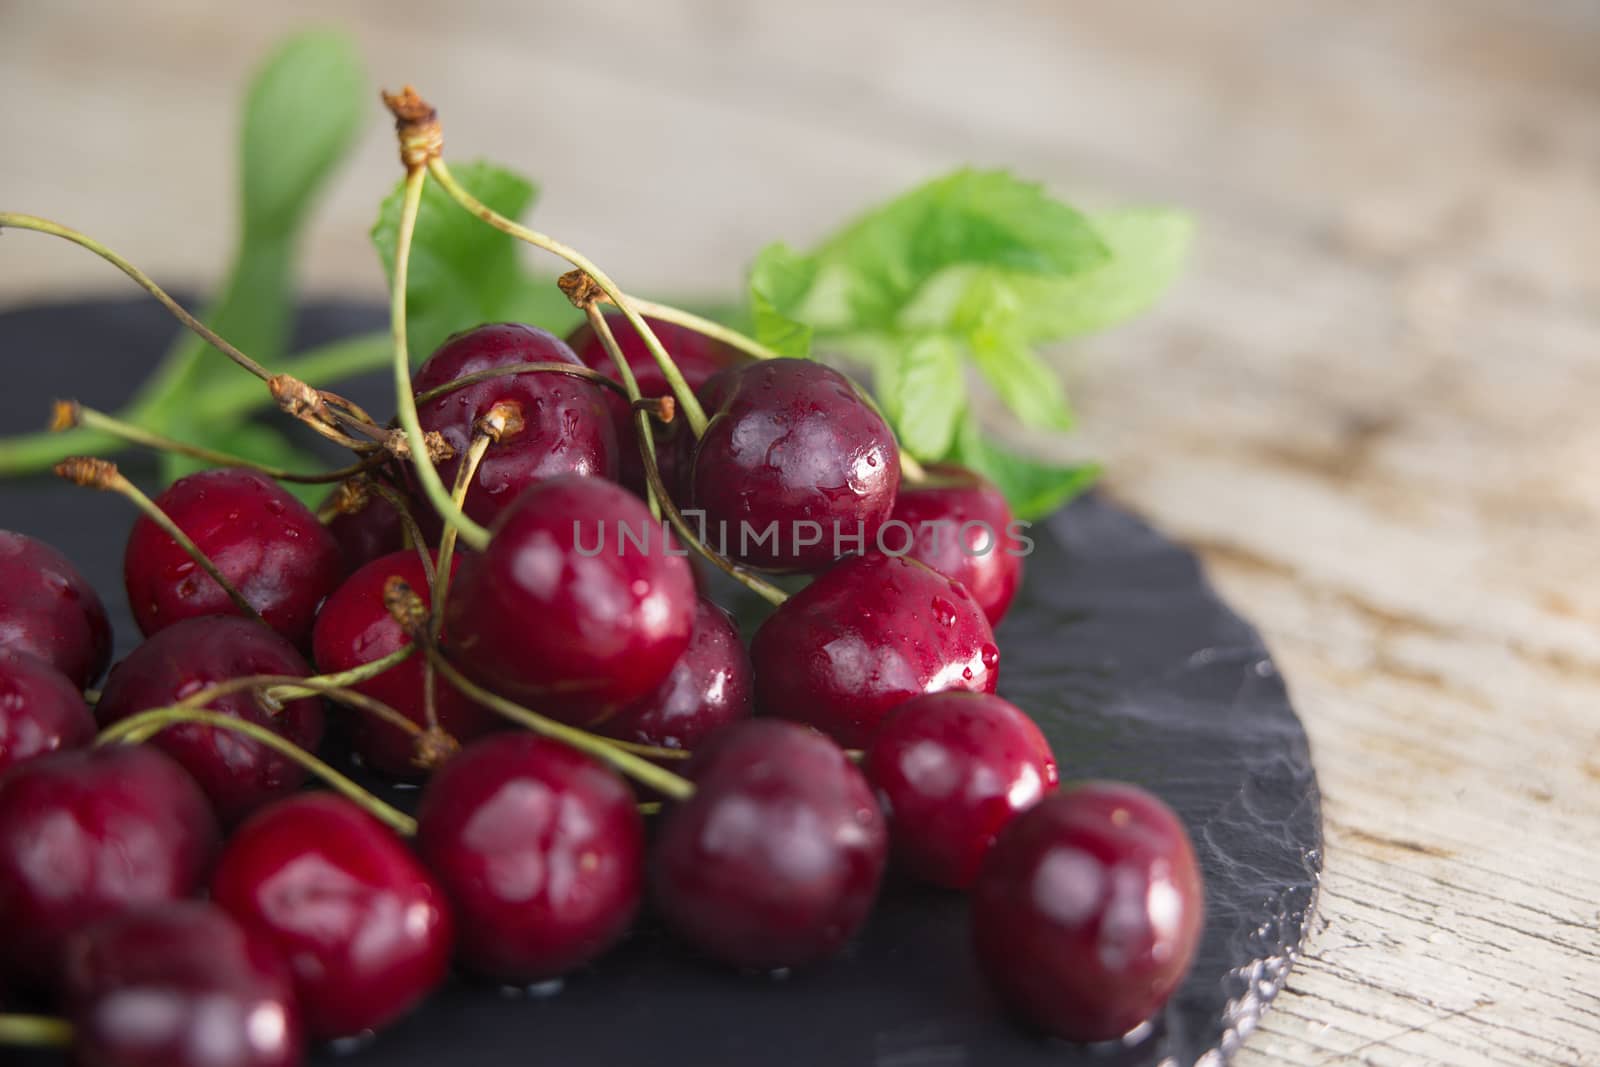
(1374, 404)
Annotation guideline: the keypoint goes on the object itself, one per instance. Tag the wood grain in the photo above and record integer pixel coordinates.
(1372, 403)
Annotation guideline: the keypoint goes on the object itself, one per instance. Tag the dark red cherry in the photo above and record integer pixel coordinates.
(238, 774)
(708, 688)
(564, 611)
(952, 770)
(698, 357)
(49, 609)
(541, 850)
(363, 926)
(958, 523)
(264, 541)
(369, 529)
(776, 858)
(565, 425)
(1087, 911)
(355, 628)
(867, 635)
(41, 710)
(90, 833)
(796, 466)
(180, 985)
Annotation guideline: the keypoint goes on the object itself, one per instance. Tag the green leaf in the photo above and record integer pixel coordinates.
(923, 394)
(1034, 489)
(464, 271)
(261, 444)
(990, 314)
(779, 282)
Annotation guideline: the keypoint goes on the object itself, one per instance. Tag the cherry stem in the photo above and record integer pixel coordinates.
(520, 368)
(70, 413)
(705, 327)
(147, 724)
(402, 507)
(621, 755)
(103, 474)
(36, 1031)
(447, 544)
(643, 433)
(405, 400)
(692, 411)
(911, 470)
(650, 807)
(275, 688)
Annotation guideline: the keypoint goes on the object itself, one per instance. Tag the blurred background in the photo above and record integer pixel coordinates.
(1370, 403)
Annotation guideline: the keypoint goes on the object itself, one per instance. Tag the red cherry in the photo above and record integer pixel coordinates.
(40, 709)
(959, 523)
(238, 774)
(795, 449)
(180, 985)
(541, 850)
(562, 612)
(952, 770)
(698, 357)
(264, 541)
(87, 834)
(1087, 911)
(49, 609)
(354, 628)
(867, 635)
(372, 530)
(776, 858)
(708, 688)
(362, 925)
(566, 428)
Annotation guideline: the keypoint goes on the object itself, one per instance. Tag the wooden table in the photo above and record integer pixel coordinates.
(1374, 405)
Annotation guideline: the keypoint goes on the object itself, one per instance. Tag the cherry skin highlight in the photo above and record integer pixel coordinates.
(697, 356)
(1088, 909)
(363, 927)
(958, 523)
(41, 711)
(565, 425)
(49, 609)
(541, 851)
(865, 636)
(562, 613)
(355, 628)
(794, 446)
(180, 985)
(264, 541)
(87, 834)
(952, 770)
(238, 774)
(708, 688)
(776, 859)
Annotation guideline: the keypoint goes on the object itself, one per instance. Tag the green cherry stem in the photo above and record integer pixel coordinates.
(705, 327)
(35, 1031)
(630, 389)
(147, 724)
(447, 543)
(520, 368)
(274, 689)
(402, 507)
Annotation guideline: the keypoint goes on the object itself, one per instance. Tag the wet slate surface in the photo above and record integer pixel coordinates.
(1117, 644)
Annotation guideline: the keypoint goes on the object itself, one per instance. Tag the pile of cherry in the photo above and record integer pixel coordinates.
(178, 896)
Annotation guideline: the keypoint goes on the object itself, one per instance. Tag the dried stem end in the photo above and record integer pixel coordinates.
(64, 415)
(581, 289)
(501, 421)
(406, 607)
(351, 497)
(433, 748)
(399, 446)
(416, 122)
(661, 408)
(89, 472)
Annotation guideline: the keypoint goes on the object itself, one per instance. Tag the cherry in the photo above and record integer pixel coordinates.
(180, 985)
(960, 525)
(40, 709)
(541, 850)
(698, 357)
(237, 773)
(952, 770)
(708, 688)
(86, 834)
(795, 465)
(362, 925)
(563, 612)
(1087, 911)
(355, 628)
(49, 609)
(565, 426)
(867, 635)
(776, 858)
(371, 530)
(264, 541)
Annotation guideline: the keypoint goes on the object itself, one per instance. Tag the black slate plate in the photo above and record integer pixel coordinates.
(1116, 644)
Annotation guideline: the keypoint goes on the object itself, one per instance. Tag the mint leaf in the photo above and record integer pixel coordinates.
(921, 389)
(779, 282)
(1034, 489)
